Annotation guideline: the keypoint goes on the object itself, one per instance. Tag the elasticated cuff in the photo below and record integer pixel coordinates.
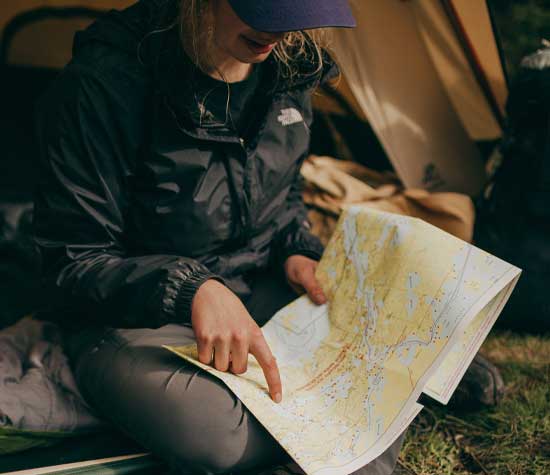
(312, 249)
(296, 240)
(187, 291)
(179, 289)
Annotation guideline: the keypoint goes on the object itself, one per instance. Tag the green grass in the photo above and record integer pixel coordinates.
(513, 438)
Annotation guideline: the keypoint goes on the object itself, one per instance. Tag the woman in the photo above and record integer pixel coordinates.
(169, 212)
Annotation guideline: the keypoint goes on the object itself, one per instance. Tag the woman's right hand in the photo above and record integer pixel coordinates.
(222, 324)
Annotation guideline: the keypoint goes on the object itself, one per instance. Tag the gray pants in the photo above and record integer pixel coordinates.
(179, 412)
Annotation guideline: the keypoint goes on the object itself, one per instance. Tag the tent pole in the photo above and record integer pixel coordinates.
(498, 41)
(35, 15)
(473, 60)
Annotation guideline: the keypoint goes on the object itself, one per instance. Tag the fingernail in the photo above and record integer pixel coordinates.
(277, 398)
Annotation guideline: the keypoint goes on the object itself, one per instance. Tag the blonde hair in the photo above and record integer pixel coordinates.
(296, 47)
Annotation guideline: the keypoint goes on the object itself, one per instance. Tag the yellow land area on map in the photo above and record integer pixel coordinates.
(407, 306)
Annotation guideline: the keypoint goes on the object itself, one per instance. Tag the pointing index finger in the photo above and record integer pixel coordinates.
(260, 349)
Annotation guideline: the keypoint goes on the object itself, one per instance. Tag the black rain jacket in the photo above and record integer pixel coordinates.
(137, 203)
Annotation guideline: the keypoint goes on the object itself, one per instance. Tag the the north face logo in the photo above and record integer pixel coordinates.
(290, 116)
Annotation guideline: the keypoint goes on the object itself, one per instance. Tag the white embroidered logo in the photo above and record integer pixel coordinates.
(290, 116)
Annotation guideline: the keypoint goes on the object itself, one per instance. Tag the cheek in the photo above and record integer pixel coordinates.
(227, 38)
(233, 45)
(227, 30)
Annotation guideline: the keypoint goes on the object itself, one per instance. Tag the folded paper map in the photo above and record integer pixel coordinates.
(408, 307)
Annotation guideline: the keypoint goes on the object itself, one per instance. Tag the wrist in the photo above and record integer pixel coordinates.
(188, 291)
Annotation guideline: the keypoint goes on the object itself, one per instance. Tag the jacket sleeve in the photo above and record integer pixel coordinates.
(296, 237)
(88, 137)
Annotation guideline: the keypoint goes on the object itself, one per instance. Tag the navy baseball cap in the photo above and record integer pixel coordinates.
(276, 16)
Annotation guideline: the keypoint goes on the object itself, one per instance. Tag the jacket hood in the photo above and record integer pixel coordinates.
(126, 29)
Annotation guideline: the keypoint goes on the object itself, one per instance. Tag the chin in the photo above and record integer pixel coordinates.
(260, 59)
(253, 58)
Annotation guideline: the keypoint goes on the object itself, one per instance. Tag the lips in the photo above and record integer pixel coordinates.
(259, 48)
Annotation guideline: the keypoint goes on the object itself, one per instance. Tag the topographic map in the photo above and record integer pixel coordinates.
(408, 307)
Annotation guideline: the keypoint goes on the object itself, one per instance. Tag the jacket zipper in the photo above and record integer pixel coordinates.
(247, 215)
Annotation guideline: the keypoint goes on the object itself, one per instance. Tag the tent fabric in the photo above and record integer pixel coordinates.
(476, 19)
(393, 78)
(81, 449)
(453, 68)
(45, 43)
(10, 9)
(48, 42)
(143, 464)
(17, 440)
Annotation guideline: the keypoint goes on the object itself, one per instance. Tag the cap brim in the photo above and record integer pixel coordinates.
(293, 15)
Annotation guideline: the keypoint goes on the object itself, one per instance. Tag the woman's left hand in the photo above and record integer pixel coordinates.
(300, 275)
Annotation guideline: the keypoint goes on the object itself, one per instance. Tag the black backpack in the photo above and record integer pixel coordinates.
(514, 214)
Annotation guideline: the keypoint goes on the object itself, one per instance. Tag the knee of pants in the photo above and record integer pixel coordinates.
(215, 449)
(179, 412)
(221, 441)
(206, 432)
(205, 457)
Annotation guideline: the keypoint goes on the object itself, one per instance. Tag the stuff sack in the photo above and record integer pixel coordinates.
(514, 214)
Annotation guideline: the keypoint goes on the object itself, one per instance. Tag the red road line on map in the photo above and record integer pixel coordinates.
(327, 371)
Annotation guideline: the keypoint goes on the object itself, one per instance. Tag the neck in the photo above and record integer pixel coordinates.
(220, 66)
(228, 69)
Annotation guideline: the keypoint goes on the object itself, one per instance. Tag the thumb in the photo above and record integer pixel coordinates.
(312, 287)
